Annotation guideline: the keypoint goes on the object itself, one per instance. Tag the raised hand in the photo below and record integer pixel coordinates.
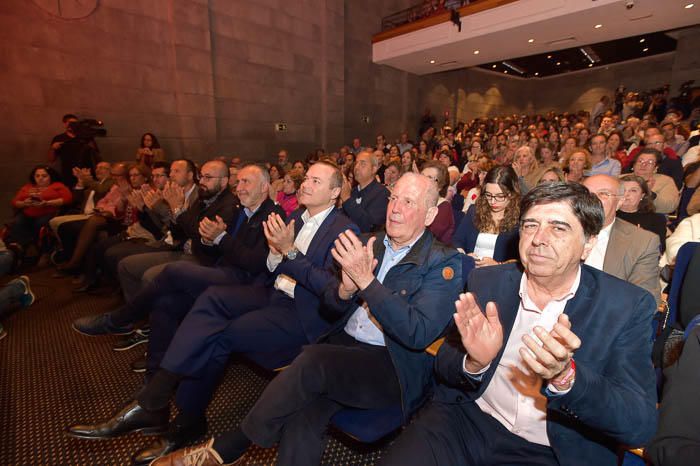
(280, 236)
(210, 229)
(356, 259)
(135, 198)
(551, 360)
(174, 195)
(482, 334)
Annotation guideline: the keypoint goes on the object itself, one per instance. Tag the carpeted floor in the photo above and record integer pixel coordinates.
(52, 377)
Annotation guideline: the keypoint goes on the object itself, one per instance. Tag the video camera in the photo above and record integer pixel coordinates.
(87, 129)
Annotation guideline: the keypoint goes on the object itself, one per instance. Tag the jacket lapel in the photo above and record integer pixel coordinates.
(614, 253)
(321, 233)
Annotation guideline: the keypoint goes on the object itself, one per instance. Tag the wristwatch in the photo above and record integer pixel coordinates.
(292, 254)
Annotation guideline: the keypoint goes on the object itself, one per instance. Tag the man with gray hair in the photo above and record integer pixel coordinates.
(366, 203)
(395, 298)
(623, 250)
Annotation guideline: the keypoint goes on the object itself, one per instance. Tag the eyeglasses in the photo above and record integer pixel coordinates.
(605, 195)
(646, 163)
(495, 197)
(209, 177)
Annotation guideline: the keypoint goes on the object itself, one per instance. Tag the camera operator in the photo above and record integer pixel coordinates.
(73, 148)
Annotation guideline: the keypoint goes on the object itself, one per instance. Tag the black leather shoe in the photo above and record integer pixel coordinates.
(133, 418)
(178, 436)
(100, 325)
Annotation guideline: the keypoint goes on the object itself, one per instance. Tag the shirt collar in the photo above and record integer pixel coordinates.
(249, 213)
(317, 219)
(389, 247)
(531, 306)
(605, 232)
(189, 191)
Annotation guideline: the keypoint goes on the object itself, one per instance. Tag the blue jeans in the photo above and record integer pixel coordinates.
(10, 294)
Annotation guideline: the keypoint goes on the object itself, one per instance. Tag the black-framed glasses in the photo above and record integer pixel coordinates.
(495, 197)
(209, 177)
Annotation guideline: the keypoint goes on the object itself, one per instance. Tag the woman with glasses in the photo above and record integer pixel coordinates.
(663, 188)
(489, 231)
(444, 224)
(638, 207)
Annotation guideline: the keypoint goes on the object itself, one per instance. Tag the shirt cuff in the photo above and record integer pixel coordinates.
(553, 391)
(273, 260)
(218, 238)
(474, 375)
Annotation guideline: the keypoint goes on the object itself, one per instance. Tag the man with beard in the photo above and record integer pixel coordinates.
(184, 240)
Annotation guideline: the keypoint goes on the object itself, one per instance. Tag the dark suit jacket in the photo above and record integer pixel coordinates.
(613, 400)
(677, 442)
(370, 213)
(248, 249)
(413, 305)
(314, 271)
(187, 224)
(80, 196)
(467, 232)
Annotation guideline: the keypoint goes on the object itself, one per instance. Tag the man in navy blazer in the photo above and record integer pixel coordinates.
(366, 203)
(557, 371)
(229, 319)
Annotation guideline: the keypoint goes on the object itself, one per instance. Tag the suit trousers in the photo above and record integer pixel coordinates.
(140, 269)
(222, 321)
(463, 434)
(184, 281)
(297, 405)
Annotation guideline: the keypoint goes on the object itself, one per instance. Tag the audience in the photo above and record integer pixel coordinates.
(373, 356)
(216, 269)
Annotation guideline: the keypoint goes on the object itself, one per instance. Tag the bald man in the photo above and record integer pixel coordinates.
(623, 250)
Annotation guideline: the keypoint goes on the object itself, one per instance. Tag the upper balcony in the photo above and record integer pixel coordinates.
(421, 40)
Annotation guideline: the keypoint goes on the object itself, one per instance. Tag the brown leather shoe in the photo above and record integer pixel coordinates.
(199, 455)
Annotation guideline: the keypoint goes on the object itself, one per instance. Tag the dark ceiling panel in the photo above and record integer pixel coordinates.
(573, 59)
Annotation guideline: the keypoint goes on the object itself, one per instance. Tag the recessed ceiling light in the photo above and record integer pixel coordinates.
(641, 41)
(590, 65)
(531, 40)
(549, 56)
(537, 74)
(646, 49)
(505, 71)
(558, 63)
(689, 5)
(493, 66)
(476, 52)
(432, 62)
(598, 26)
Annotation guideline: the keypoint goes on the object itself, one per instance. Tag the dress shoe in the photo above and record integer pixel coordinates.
(178, 436)
(100, 325)
(201, 455)
(133, 418)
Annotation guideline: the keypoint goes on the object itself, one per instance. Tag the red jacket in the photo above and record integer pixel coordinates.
(53, 191)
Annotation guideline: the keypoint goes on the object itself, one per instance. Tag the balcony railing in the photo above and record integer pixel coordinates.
(429, 13)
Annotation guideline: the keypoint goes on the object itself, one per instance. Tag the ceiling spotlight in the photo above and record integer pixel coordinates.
(598, 26)
(689, 5)
(531, 41)
(646, 49)
(476, 52)
(641, 41)
(432, 62)
(558, 63)
(536, 73)
(549, 56)
(590, 65)
(493, 66)
(505, 71)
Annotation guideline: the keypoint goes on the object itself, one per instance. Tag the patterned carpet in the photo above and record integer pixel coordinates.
(52, 377)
